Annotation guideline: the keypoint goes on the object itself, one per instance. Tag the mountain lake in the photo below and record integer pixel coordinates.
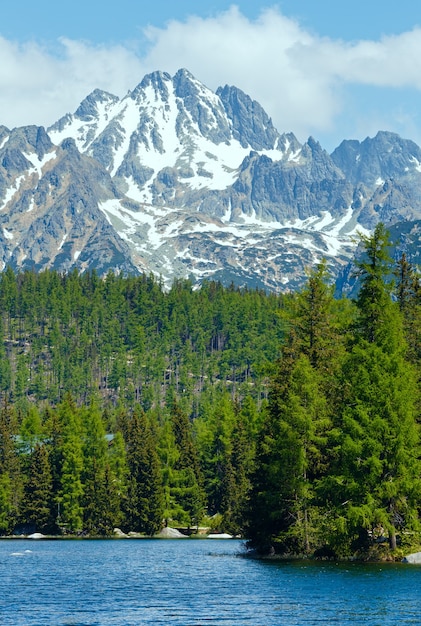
(194, 583)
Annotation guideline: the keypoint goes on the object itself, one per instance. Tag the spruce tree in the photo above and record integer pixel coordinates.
(291, 451)
(214, 430)
(290, 459)
(236, 482)
(5, 369)
(11, 477)
(116, 477)
(408, 295)
(38, 507)
(190, 493)
(145, 498)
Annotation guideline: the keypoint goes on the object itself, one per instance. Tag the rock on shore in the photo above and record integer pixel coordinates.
(414, 558)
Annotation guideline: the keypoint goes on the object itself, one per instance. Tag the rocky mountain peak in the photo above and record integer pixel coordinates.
(157, 81)
(30, 139)
(91, 106)
(250, 123)
(376, 159)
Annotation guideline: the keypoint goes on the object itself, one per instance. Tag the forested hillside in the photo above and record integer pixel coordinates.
(96, 373)
(293, 420)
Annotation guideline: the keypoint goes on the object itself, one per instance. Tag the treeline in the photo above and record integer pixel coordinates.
(78, 469)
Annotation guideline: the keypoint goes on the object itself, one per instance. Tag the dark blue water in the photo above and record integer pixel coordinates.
(188, 582)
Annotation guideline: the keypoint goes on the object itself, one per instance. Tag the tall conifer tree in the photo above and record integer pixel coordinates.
(71, 487)
(145, 497)
(291, 450)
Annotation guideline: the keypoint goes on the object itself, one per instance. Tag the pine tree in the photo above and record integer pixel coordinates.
(291, 453)
(6, 506)
(190, 493)
(116, 477)
(312, 328)
(408, 295)
(11, 479)
(145, 498)
(290, 459)
(31, 431)
(236, 481)
(169, 454)
(375, 313)
(38, 507)
(214, 429)
(5, 368)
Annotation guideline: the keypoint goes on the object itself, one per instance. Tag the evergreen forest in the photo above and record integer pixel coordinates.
(292, 420)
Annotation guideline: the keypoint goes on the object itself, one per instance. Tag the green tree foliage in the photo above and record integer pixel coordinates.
(291, 458)
(408, 293)
(291, 452)
(145, 497)
(292, 419)
(130, 339)
(375, 314)
(116, 477)
(187, 477)
(97, 511)
(378, 464)
(173, 512)
(71, 486)
(6, 510)
(5, 366)
(376, 478)
(10, 474)
(214, 430)
(333, 470)
(239, 465)
(31, 430)
(38, 507)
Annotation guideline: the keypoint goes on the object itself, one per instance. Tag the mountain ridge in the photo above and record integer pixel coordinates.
(181, 181)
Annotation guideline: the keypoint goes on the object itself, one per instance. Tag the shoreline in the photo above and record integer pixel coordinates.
(118, 537)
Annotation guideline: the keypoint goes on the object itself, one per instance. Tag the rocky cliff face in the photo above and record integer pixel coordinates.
(183, 182)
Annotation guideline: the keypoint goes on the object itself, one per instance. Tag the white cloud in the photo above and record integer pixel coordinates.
(300, 79)
(257, 56)
(38, 84)
(394, 61)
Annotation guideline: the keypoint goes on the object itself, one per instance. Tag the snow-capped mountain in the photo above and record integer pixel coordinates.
(180, 181)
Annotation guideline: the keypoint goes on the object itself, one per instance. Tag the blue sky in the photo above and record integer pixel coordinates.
(325, 68)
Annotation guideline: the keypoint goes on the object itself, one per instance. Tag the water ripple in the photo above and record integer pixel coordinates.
(190, 583)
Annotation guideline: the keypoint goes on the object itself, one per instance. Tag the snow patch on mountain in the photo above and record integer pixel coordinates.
(128, 223)
(12, 191)
(37, 162)
(416, 163)
(61, 244)
(4, 141)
